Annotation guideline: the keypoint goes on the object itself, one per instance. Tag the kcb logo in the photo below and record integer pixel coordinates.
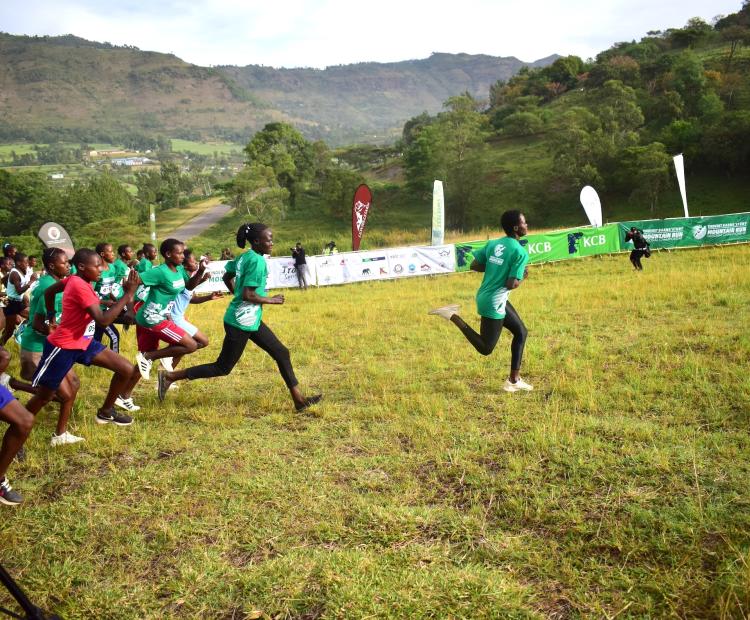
(539, 246)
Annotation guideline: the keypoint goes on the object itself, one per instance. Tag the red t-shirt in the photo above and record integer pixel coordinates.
(75, 321)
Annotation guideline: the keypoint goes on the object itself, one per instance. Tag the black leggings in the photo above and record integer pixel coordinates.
(112, 334)
(635, 258)
(489, 333)
(233, 347)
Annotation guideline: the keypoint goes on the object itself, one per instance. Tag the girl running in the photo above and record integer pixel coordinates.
(109, 290)
(33, 338)
(246, 277)
(72, 341)
(164, 283)
(19, 281)
(503, 262)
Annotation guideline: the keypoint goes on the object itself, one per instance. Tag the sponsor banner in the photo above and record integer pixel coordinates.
(329, 269)
(421, 261)
(282, 272)
(55, 236)
(362, 266)
(360, 208)
(690, 232)
(438, 214)
(216, 269)
(562, 245)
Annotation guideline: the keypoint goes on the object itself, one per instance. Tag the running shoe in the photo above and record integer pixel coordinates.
(8, 496)
(519, 385)
(119, 419)
(144, 365)
(446, 311)
(65, 439)
(309, 402)
(20, 328)
(162, 385)
(5, 381)
(166, 364)
(127, 404)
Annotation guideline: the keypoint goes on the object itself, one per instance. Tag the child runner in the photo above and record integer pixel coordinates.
(503, 262)
(71, 342)
(186, 296)
(108, 289)
(19, 281)
(21, 423)
(33, 338)
(245, 277)
(164, 283)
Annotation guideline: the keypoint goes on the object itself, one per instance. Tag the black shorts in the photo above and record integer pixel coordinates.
(14, 307)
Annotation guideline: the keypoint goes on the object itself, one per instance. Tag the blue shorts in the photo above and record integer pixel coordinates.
(57, 362)
(5, 396)
(186, 325)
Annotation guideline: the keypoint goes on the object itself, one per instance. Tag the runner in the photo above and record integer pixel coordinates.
(245, 277)
(503, 262)
(19, 281)
(108, 288)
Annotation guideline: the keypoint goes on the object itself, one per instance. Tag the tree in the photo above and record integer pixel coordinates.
(648, 167)
(338, 188)
(256, 190)
(522, 124)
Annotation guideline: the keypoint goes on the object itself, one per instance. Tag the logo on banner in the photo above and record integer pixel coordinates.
(54, 233)
(360, 208)
(699, 232)
(425, 267)
(573, 239)
(366, 271)
(398, 268)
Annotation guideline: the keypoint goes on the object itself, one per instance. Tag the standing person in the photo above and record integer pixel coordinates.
(330, 249)
(21, 422)
(503, 262)
(33, 338)
(165, 283)
(300, 264)
(19, 281)
(640, 245)
(71, 341)
(245, 278)
(108, 289)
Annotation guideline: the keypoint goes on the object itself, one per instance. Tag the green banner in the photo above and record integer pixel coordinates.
(690, 231)
(561, 245)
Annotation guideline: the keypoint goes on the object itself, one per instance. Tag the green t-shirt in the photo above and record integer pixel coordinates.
(249, 270)
(164, 285)
(121, 272)
(142, 267)
(107, 284)
(503, 258)
(32, 340)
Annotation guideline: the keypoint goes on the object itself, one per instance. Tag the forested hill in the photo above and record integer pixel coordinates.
(67, 88)
(375, 98)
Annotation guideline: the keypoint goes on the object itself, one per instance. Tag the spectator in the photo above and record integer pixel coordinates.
(641, 247)
(300, 264)
(330, 249)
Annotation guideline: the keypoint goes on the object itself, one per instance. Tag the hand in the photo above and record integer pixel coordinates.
(51, 327)
(33, 278)
(131, 283)
(216, 295)
(525, 272)
(277, 299)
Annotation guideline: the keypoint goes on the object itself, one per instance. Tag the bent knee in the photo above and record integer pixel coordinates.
(25, 423)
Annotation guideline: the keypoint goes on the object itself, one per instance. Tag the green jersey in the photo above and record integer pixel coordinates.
(32, 340)
(142, 267)
(107, 284)
(121, 272)
(164, 285)
(249, 270)
(503, 258)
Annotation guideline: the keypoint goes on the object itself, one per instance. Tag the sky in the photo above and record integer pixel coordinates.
(319, 33)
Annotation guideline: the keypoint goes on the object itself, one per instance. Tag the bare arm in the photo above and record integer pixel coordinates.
(477, 266)
(198, 277)
(15, 279)
(249, 295)
(107, 318)
(228, 279)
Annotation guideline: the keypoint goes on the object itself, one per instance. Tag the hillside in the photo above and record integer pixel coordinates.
(67, 88)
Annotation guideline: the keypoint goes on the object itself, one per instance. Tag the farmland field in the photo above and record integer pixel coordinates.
(419, 489)
(206, 148)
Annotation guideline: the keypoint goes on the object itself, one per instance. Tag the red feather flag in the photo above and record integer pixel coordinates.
(360, 208)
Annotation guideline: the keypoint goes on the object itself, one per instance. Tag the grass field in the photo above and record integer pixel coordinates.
(617, 488)
(206, 148)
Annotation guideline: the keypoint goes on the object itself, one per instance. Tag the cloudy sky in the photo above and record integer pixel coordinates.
(318, 33)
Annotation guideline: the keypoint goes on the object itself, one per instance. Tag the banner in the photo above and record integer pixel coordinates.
(360, 208)
(438, 214)
(421, 261)
(679, 168)
(55, 236)
(554, 246)
(591, 205)
(690, 232)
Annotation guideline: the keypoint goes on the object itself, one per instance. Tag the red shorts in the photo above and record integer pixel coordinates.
(149, 337)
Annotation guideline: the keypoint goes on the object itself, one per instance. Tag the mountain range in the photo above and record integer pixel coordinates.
(68, 88)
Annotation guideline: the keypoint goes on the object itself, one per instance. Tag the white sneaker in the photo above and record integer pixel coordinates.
(65, 439)
(127, 404)
(446, 311)
(517, 386)
(166, 364)
(5, 381)
(144, 365)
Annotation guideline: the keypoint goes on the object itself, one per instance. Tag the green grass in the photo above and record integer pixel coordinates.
(419, 489)
(206, 148)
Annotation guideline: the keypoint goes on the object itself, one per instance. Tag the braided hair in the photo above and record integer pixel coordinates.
(249, 232)
(49, 255)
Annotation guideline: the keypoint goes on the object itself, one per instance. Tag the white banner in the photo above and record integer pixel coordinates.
(422, 261)
(215, 282)
(679, 168)
(591, 205)
(438, 214)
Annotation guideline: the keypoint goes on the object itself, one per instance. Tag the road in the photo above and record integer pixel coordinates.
(197, 225)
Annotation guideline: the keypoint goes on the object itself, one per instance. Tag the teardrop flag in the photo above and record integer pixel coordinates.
(591, 205)
(360, 208)
(55, 236)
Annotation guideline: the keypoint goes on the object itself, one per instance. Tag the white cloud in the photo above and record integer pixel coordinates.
(325, 32)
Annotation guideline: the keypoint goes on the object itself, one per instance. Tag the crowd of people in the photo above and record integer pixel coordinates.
(60, 317)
